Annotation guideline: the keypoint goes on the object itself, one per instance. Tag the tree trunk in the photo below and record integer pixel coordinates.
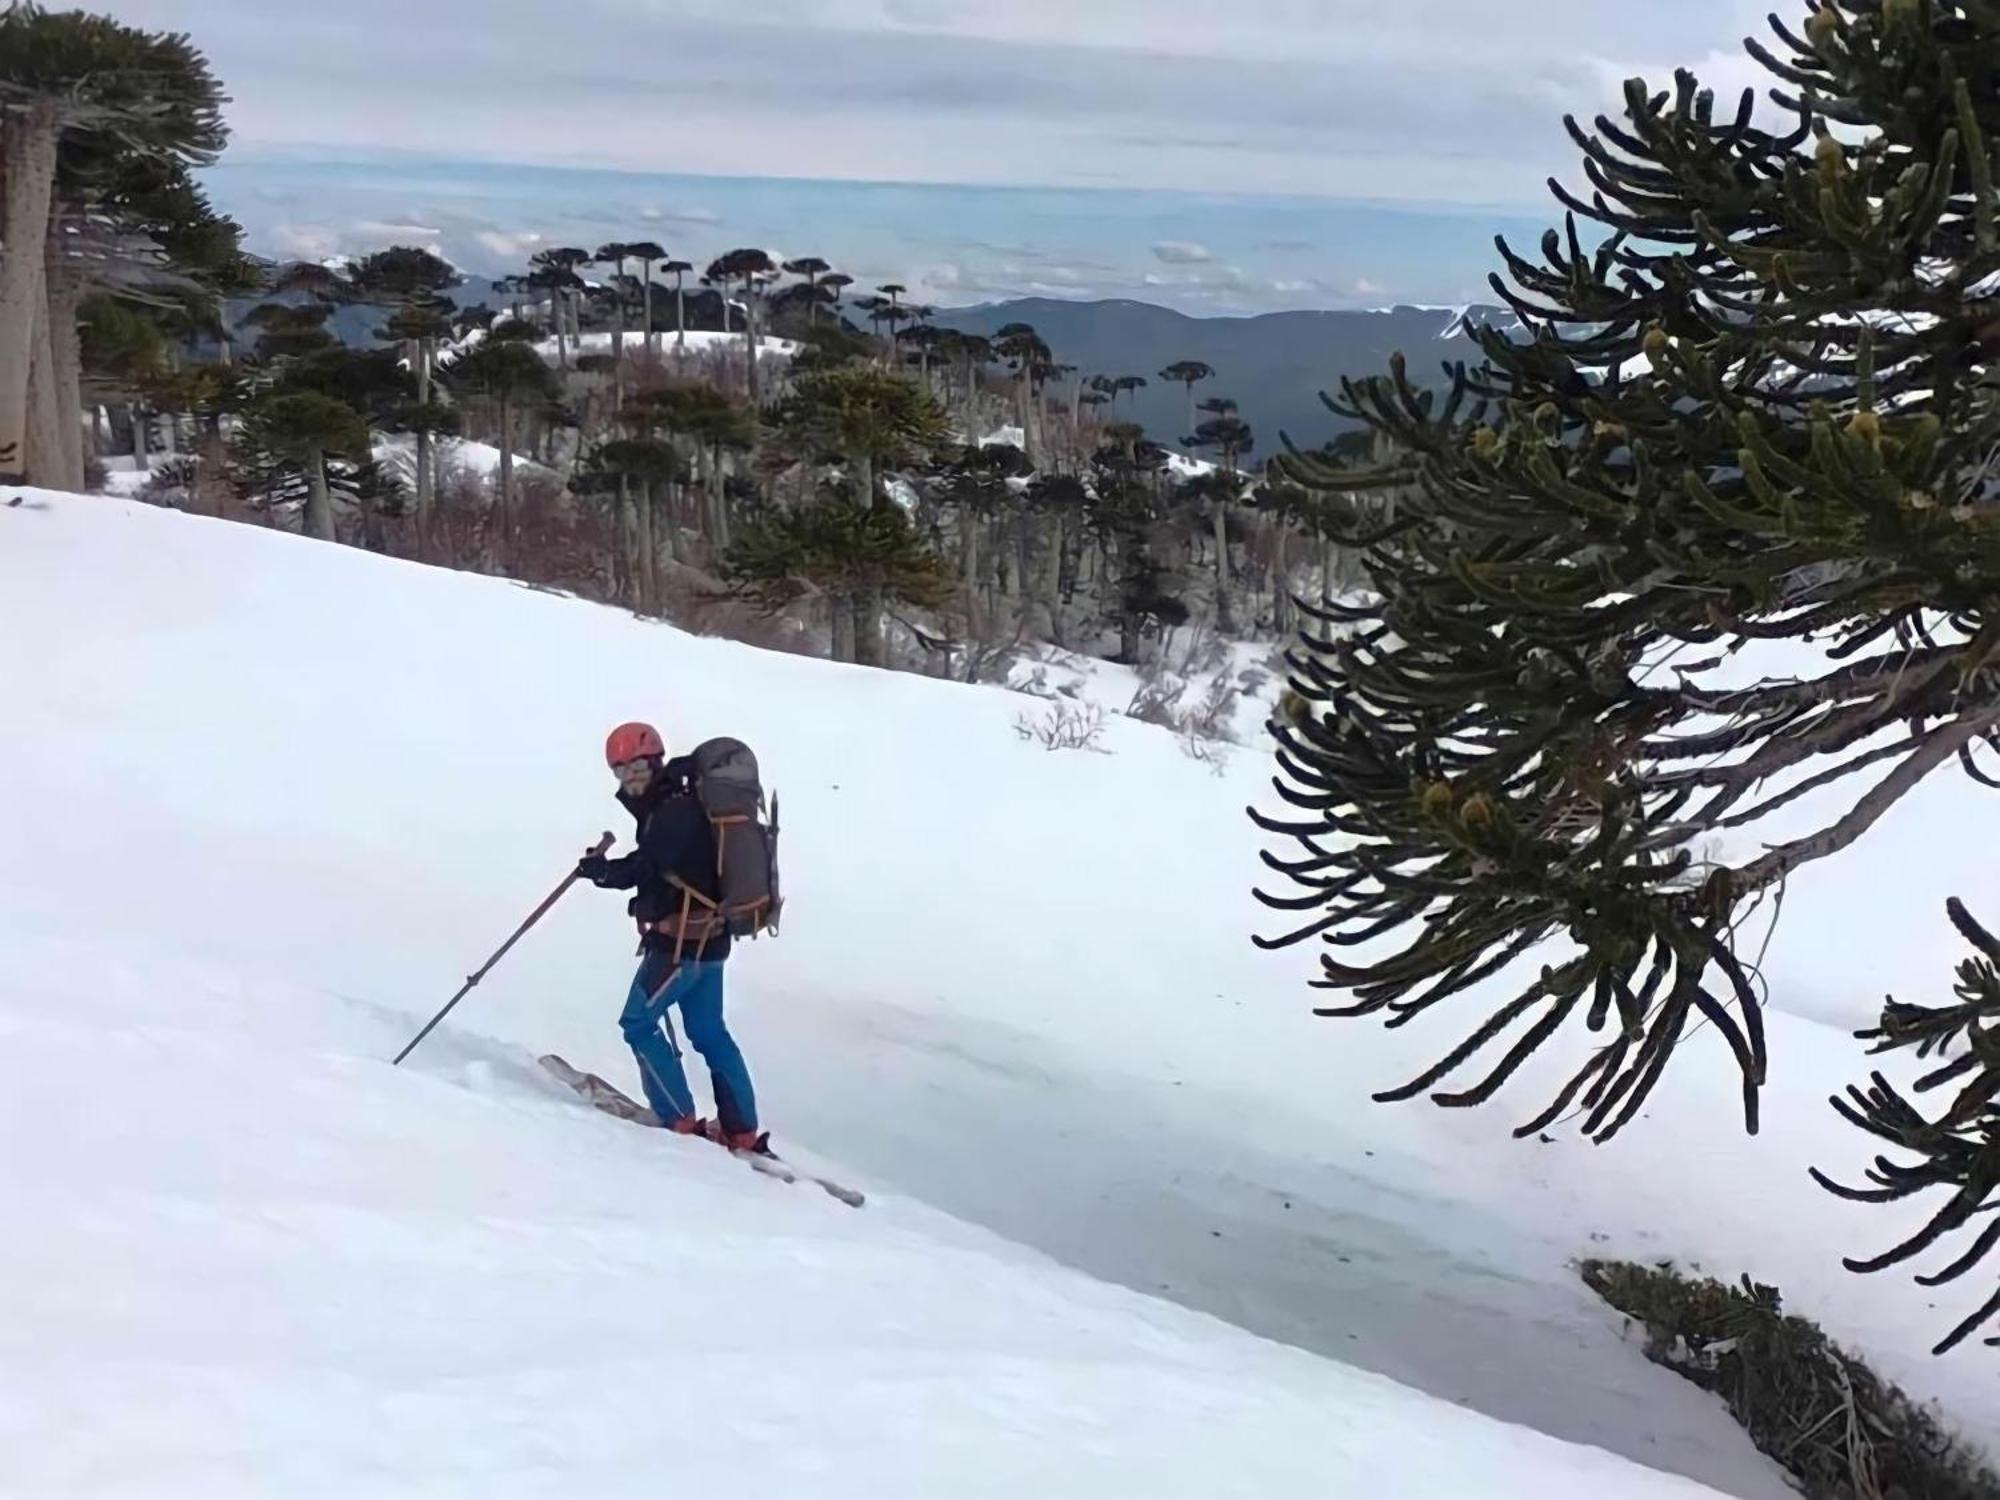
(141, 459)
(636, 526)
(425, 475)
(46, 448)
(28, 166)
(1192, 424)
(724, 529)
(840, 628)
(371, 522)
(1128, 622)
(1224, 619)
(618, 347)
(646, 314)
(319, 500)
(504, 553)
(666, 525)
(666, 548)
(750, 340)
(975, 621)
(65, 296)
(562, 331)
(864, 481)
(1051, 580)
(97, 429)
(868, 648)
(681, 315)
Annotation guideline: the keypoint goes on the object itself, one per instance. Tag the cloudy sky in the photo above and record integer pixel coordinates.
(1218, 155)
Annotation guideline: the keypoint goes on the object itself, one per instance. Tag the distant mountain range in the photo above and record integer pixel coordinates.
(1274, 365)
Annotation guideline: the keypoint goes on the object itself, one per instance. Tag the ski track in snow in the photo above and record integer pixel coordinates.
(1013, 984)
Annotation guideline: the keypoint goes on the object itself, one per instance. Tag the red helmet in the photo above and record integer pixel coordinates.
(630, 742)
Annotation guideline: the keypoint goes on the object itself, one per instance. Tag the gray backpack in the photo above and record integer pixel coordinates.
(746, 845)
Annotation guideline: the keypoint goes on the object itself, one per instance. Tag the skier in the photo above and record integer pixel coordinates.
(679, 966)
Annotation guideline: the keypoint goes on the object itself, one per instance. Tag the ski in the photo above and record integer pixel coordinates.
(614, 1101)
(602, 1095)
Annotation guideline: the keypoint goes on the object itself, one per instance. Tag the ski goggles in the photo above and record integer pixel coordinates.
(634, 774)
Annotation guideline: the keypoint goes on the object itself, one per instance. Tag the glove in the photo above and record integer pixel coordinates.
(593, 867)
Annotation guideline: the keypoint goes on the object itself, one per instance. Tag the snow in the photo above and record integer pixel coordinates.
(399, 452)
(1185, 466)
(453, 1280)
(698, 341)
(269, 801)
(1185, 677)
(123, 477)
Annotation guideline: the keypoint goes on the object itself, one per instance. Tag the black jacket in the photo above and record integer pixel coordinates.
(675, 842)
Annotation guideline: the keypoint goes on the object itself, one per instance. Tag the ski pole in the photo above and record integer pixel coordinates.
(533, 917)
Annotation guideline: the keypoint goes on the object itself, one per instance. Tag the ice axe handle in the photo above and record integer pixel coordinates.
(484, 969)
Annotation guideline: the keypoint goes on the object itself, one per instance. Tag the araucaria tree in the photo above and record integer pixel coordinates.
(748, 268)
(510, 378)
(1189, 373)
(1716, 534)
(871, 420)
(94, 117)
(413, 281)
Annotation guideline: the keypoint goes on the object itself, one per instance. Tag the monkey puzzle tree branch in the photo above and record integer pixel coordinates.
(1759, 413)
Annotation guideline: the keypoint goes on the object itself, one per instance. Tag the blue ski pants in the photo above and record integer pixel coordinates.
(697, 989)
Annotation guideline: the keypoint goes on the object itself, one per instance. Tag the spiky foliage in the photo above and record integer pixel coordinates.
(403, 276)
(151, 92)
(838, 547)
(867, 416)
(287, 331)
(1226, 433)
(817, 295)
(1959, 1150)
(291, 435)
(1716, 535)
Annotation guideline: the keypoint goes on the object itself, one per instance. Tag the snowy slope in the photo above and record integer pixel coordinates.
(1013, 983)
(244, 1257)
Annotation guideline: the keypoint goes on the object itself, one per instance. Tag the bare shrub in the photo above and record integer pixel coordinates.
(1155, 702)
(1214, 717)
(1065, 725)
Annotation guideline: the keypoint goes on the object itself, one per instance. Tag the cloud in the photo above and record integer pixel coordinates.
(680, 216)
(378, 230)
(1295, 98)
(508, 247)
(1182, 253)
(1363, 287)
(305, 241)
